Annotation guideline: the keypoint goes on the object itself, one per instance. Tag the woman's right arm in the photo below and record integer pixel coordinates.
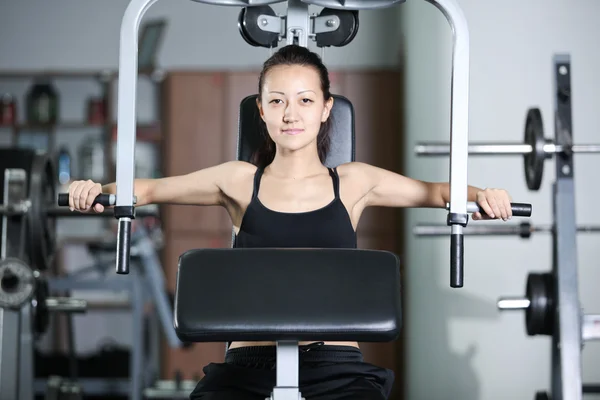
(202, 187)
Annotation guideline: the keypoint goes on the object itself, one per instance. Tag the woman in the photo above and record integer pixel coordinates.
(287, 198)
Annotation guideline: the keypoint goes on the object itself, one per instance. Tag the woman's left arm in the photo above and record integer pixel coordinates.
(389, 189)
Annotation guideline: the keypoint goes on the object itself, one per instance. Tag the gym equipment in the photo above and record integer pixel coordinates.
(299, 27)
(551, 302)
(24, 304)
(523, 230)
(337, 309)
(28, 217)
(535, 149)
(298, 30)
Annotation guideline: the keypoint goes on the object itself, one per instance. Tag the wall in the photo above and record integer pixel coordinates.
(459, 346)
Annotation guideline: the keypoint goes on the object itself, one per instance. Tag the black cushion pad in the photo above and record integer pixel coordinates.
(288, 294)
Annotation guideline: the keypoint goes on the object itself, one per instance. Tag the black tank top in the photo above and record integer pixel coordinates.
(326, 227)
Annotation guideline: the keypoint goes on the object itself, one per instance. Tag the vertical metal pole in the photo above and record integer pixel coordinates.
(287, 370)
(459, 134)
(126, 124)
(566, 341)
(298, 23)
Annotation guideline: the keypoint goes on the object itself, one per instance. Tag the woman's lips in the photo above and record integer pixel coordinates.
(293, 131)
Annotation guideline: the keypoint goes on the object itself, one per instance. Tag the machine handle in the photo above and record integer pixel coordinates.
(518, 209)
(103, 198)
(456, 260)
(123, 246)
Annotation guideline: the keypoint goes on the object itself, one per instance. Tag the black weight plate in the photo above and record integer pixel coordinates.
(243, 32)
(41, 315)
(345, 32)
(542, 396)
(539, 316)
(252, 33)
(534, 161)
(42, 227)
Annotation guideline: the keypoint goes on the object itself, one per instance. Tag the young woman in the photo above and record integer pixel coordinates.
(287, 198)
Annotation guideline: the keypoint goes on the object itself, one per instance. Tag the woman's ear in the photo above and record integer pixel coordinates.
(327, 109)
(260, 109)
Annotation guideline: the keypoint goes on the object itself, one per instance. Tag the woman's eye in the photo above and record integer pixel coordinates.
(307, 101)
(275, 100)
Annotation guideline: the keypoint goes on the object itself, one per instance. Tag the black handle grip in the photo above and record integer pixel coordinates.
(123, 246)
(456, 260)
(521, 209)
(103, 198)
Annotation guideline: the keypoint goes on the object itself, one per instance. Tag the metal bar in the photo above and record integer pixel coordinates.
(566, 343)
(591, 327)
(126, 121)
(523, 229)
(287, 371)
(298, 23)
(9, 354)
(26, 358)
(513, 303)
(66, 304)
(23, 207)
(459, 133)
(155, 284)
(502, 149)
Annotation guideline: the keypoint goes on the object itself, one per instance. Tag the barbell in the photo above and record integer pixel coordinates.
(535, 149)
(524, 229)
(540, 308)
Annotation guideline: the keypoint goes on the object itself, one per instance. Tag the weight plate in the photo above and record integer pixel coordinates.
(539, 316)
(41, 315)
(16, 283)
(345, 32)
(243, 32)
(542, 396)
(534, 161)
(250, 30)
(42, 227)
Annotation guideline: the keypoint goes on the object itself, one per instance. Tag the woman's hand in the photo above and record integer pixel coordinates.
(495, 204)
(82, 194)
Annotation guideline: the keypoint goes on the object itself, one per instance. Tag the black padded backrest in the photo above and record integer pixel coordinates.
(342, 131)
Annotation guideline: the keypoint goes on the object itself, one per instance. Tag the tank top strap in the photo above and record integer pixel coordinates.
(257, 176)
(336, 182)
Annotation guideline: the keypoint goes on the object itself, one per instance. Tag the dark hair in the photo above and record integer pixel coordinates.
(293, 55)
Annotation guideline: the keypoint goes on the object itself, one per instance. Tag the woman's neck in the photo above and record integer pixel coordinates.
(295, 166)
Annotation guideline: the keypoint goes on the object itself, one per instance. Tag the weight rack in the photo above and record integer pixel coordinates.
(551, 303)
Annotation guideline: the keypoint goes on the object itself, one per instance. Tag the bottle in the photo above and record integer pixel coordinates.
(42, 103)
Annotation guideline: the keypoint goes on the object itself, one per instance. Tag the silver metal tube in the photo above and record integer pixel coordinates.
(66, 304)
(502, 149)
(513, 303)
(459, 125)
(590, 329)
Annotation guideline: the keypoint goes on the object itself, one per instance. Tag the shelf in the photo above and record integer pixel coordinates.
(48, 127)
(105, 74)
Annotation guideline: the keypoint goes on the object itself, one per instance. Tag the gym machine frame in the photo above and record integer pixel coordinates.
(552, 305)
(296, 28)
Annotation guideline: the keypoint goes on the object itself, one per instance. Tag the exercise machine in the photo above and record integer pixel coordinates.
(351, 312)
(551, 303)
(28, 246)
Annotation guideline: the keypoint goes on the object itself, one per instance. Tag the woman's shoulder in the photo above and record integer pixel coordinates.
(237, 171)
(352, 170)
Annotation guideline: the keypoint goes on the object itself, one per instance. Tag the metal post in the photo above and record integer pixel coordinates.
(566, 342)
(287, 369)
(126, 122)
(459, 133)
(298, 23)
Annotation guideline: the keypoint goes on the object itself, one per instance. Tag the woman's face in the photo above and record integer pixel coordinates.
(293, 107)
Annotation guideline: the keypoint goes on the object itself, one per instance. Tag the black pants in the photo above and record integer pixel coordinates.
(326, 373)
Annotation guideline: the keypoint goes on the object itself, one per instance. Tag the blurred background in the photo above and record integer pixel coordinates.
(397, 73)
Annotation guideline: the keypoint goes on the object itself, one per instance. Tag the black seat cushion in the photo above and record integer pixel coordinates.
(288, 294)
